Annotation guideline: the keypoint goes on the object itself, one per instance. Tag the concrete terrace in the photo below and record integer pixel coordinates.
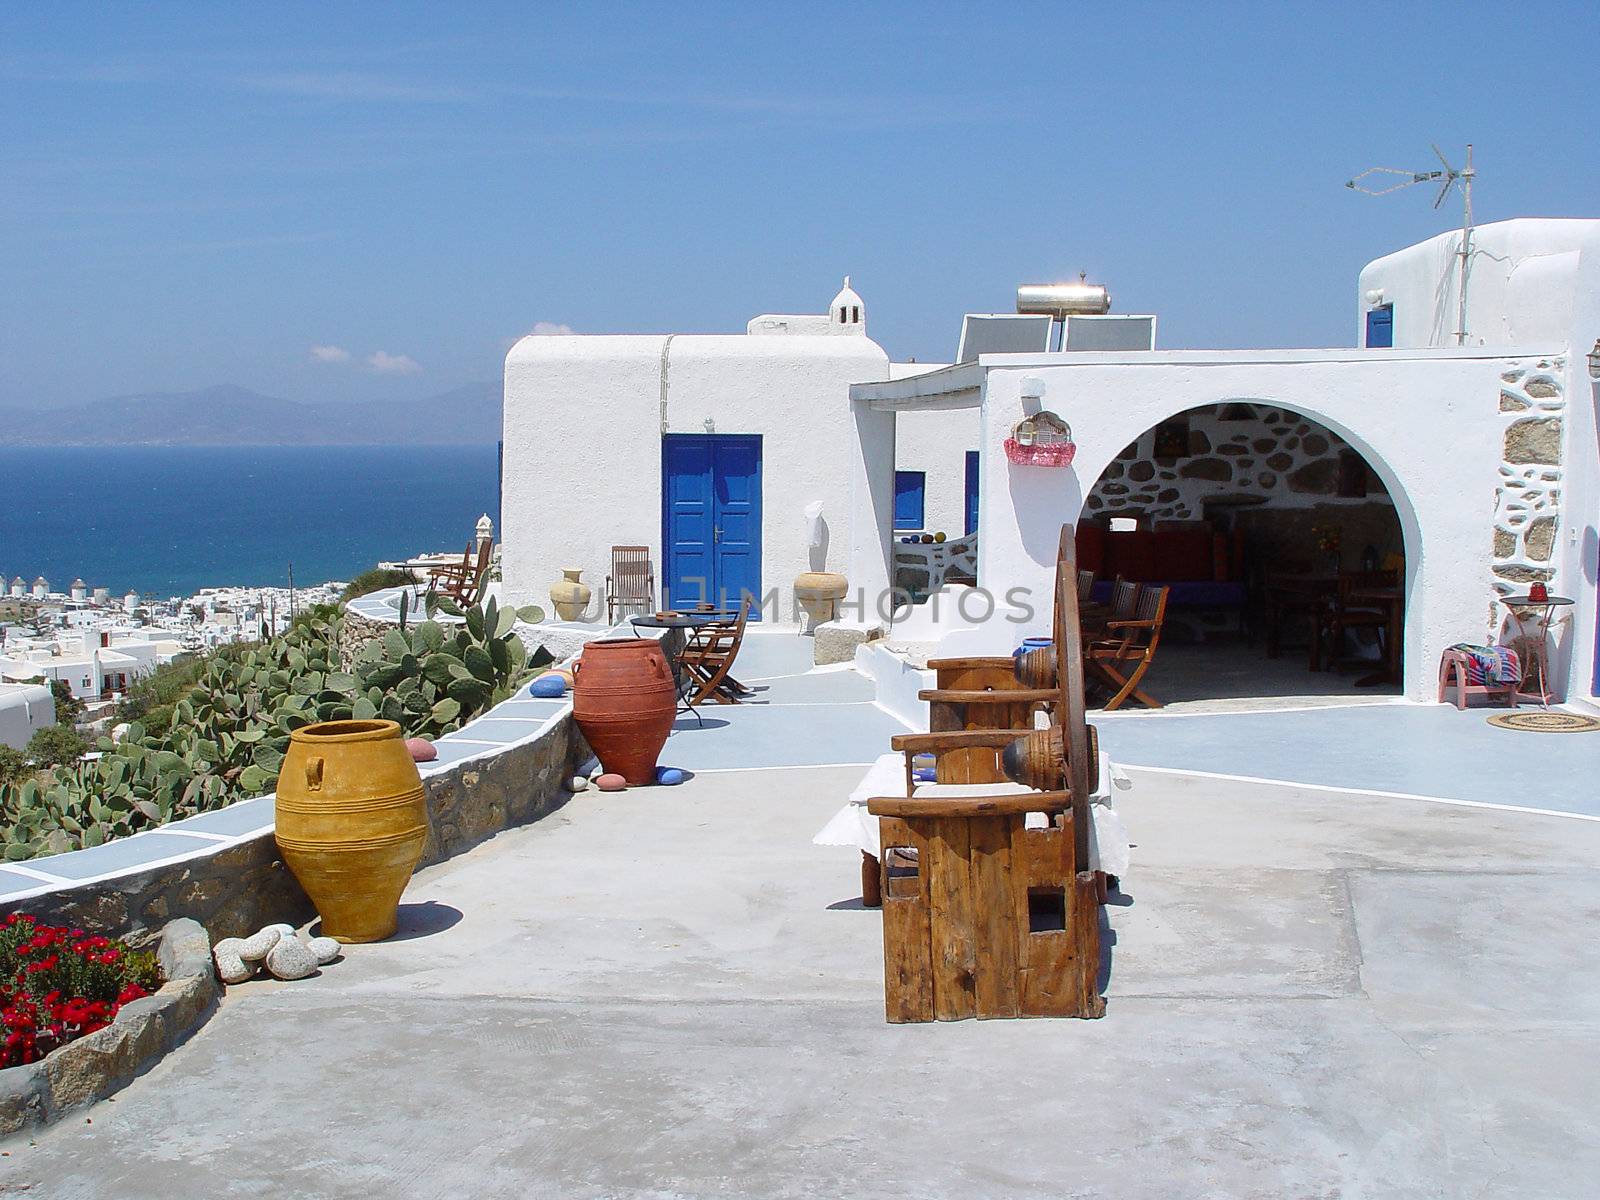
(671, 992)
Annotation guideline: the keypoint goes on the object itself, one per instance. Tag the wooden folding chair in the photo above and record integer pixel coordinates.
(1120, 660)
(449, 574)
(710, 655)
(464, 582)
(632, 582)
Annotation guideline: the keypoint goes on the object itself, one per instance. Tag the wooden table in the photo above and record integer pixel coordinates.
(1393, 602)
(1303, 593)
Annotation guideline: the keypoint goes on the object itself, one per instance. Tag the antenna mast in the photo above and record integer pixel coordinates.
(1450, 176)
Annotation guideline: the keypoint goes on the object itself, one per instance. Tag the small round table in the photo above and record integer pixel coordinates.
(674, 640)
(1534, 646)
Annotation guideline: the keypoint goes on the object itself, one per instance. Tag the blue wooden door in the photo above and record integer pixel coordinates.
(711, 519)
(972, 491)
(1380, 328)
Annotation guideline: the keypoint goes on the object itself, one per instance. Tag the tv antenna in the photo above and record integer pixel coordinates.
(1449, 177)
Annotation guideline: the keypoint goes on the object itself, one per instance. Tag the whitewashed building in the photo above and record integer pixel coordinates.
(707, 448)
(25, 708)
(1474, 424)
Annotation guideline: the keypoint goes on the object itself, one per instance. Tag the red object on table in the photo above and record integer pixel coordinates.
(1538, 593)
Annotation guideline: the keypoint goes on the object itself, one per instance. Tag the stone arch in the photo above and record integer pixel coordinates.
(1138, 479)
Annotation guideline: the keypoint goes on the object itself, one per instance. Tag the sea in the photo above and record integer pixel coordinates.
(170, 520)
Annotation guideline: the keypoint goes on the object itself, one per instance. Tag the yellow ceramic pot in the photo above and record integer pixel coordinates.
(351, 822)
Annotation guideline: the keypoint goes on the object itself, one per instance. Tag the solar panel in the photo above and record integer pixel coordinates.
(1110, 333)
(1002, 333)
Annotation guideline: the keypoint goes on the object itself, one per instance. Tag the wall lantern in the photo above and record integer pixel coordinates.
(1594, 360)
(1042, 440)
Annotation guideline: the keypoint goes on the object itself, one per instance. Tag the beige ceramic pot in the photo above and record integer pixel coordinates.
(818, 594)
(570, 595)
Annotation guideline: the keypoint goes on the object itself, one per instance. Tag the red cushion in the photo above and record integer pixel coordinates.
(1092, 547)
(1183, 556)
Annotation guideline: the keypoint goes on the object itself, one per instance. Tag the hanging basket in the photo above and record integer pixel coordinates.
(1056, 454)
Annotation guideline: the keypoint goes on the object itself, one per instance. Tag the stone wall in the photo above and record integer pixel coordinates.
(1236, 455)
(1527, 510)
(242, 887)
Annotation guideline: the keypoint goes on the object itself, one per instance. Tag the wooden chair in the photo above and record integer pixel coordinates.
(1339, 615)
(1120, 660)
(632, 582)
(1085, 587)
(464, 582)
(709, 656)
(960, 937)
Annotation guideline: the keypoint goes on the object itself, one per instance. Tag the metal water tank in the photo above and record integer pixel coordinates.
(1060, 300)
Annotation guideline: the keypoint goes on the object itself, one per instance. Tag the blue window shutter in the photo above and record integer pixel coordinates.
(1380, 327)
(908, 490)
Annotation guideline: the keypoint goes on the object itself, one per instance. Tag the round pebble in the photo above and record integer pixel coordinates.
(421, 750)
(669, 775)
(611, 782)
(548, 687)
(577, 784)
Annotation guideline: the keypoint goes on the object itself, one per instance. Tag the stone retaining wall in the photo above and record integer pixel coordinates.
(237, 888)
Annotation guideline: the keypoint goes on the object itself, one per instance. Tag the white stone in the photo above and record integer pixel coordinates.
(258, 945)
(577, 784)
(230, 967)
(326, 949)
(290, 958)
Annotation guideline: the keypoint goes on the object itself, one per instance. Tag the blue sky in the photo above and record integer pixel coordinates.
(201, 194)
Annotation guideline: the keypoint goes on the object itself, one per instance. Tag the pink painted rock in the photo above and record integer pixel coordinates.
(422, 750)
(611, 782)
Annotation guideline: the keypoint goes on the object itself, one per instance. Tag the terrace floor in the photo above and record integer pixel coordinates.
(671, 992)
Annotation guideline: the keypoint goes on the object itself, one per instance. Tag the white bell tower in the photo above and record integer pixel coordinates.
(847, 310)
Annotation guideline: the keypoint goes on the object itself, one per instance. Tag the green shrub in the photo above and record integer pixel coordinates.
(13, 765)
(374, 580)
(56, 745)
(225, 737)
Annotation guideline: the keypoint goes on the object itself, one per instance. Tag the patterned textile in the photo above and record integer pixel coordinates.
(1490, 666)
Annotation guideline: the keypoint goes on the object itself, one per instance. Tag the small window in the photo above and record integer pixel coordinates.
(909, 487)
(855, 314)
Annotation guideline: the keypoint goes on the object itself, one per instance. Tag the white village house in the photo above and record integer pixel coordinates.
(1464, 458)
(1486, 450)
(708, 448)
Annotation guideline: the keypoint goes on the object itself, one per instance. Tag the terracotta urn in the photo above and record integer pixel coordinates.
(818, 594)
(570, 595)
(351, 823)
(624, 701)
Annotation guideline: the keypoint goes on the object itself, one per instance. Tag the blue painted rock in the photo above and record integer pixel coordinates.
(421, 750)
(611, 782)
(548, 687)
(669, 775)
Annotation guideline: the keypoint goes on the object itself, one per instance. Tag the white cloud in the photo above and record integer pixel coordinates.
(330, 354)
(549, 329)
(385, 363)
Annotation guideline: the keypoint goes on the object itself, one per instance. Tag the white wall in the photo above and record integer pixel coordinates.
(1391, 407)
(583, 421)
(1531, 282)
(936, 443)
(24, 708)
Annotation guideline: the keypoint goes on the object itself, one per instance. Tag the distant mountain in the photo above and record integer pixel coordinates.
(226, 415)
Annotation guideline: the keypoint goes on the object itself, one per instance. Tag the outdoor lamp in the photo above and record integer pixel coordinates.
(1594, 360)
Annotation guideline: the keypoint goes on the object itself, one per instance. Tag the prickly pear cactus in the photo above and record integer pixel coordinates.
(229, 734)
